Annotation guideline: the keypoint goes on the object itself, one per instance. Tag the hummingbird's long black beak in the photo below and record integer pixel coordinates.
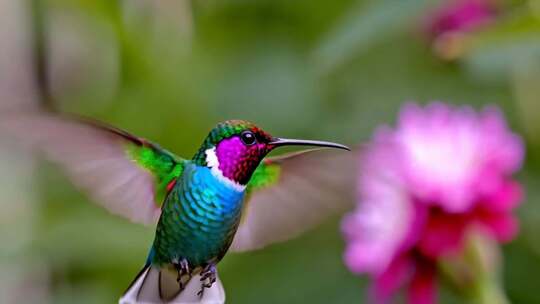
(277, 142)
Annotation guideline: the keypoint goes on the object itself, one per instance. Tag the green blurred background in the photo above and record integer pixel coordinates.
(169, 70)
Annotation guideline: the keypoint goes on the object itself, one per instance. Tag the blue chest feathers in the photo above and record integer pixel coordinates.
(199, 218)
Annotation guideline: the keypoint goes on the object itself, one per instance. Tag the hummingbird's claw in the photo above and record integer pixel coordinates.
(208, 277)
(183, 269)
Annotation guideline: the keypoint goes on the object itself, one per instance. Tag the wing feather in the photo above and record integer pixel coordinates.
(290, 194)
(125, 174)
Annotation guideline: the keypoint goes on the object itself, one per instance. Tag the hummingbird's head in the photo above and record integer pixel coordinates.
(234, 149)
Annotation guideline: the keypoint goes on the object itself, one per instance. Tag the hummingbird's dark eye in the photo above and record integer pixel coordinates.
(248, 138)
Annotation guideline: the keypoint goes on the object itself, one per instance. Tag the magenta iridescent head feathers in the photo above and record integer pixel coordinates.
(236, 147)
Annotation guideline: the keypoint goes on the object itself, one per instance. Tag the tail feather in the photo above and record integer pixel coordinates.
(156, 286)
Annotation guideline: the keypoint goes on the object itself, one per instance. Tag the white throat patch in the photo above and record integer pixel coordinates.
(213, 162)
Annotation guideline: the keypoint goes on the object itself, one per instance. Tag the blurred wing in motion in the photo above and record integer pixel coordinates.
(127, 175)
(290, 194)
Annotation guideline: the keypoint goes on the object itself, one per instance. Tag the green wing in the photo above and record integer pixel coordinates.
(127, 175)
(163, 165)
(290, 194)
(266, 174)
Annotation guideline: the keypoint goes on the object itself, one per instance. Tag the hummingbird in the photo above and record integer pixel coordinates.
(229, 196)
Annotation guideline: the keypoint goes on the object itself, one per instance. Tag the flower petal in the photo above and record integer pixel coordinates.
(391, 280)
(503, 226)
(422, 289)
(507, 196)
(443, 234)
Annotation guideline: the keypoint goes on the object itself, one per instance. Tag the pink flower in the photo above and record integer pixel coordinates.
(447, 26)
(442, 171)
(461, 16)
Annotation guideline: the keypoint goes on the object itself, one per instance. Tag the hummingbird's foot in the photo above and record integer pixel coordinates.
(208, 277)
(183, 269)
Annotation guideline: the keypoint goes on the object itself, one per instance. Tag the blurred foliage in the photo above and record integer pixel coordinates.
(333, 70)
